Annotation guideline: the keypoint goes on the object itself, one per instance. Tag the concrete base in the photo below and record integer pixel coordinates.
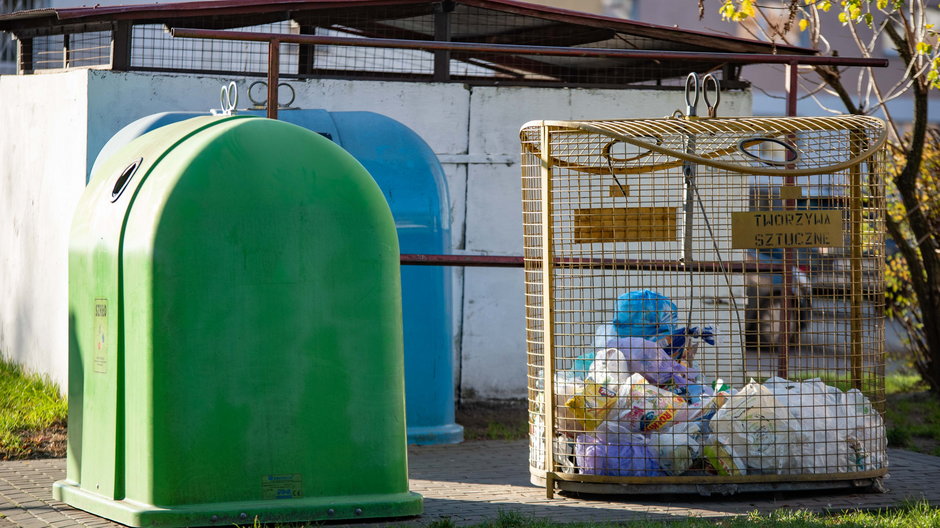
(434, 435)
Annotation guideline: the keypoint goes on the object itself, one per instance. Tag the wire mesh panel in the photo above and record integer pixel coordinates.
(137, 38)
(705, 302)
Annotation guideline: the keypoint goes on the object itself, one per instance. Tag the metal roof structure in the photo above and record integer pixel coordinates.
(134, 37)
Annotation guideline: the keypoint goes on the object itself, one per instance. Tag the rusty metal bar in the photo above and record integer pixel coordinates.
(274, 70)
(793, 80)
(556, 51)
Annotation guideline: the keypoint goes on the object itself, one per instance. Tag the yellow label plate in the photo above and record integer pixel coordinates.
(791, 192)
(786, 229)
(101, 336)
(625, 224)
(619, 191)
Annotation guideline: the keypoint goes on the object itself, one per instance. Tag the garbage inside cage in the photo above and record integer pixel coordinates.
(639, 405)
(704, 301)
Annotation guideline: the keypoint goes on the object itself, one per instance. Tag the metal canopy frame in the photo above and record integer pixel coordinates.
(274, 41)
(132, 35)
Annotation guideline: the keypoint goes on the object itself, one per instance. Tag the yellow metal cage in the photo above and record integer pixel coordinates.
(705, 303)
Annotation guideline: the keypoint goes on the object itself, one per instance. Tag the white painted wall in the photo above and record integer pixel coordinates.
(42, 174)
(474, 131)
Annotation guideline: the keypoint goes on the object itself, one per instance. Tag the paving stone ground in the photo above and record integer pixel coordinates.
(474, 481)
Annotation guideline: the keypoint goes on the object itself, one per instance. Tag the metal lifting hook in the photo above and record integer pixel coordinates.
(692, 89)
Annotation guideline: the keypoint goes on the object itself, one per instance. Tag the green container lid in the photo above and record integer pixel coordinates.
(235, 333)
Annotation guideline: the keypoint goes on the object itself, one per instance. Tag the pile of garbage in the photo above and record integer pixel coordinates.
(640, 406)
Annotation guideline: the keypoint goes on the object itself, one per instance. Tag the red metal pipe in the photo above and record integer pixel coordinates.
(793, 79)
(509, 261)
(557, 51)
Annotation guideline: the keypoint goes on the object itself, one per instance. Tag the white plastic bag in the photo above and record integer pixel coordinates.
(677, 447)
(845, 432)
(758, 429)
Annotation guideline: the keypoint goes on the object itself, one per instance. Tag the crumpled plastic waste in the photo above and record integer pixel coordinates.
(629, 355)
(682, 344)
(565, 419)
(678, 446)
(757, 429)
(616, 455)
(847, 433)
(644, 408)
(722, 460)
(562, 449)
(705, 409)
(639, 313)
(591, 403)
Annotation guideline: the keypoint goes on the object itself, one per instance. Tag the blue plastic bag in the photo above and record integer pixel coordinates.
(646, 314)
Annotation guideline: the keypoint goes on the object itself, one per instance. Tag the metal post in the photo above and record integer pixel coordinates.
(790, 304)
(121, 46)
(442, 34)
(25, 52)
(306, 54)
(793, 80)
(65, 50)
(274, 70)
(548, 297)
(855, 324)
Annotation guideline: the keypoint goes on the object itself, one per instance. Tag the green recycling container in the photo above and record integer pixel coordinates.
(235, 333)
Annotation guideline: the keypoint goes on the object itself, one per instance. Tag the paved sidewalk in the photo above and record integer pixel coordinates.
(474, 481)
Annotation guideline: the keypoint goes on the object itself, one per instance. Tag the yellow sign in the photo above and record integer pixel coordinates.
(786, 229)
(625, 224)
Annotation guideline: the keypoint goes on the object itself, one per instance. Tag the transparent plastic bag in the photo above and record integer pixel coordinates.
(677, 447)
(846, 433)
(759, 430)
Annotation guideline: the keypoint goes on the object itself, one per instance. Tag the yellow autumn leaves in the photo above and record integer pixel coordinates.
(851, 12)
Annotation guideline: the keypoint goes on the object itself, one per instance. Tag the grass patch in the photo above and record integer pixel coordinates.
(496, 420)
(912, 414)
(902, 383)
(32, 415)
(912, 515)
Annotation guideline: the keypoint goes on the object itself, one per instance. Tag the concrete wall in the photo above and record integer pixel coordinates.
(473, 130)
(42, 173)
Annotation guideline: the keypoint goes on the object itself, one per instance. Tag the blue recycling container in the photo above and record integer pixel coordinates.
(411, 177)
